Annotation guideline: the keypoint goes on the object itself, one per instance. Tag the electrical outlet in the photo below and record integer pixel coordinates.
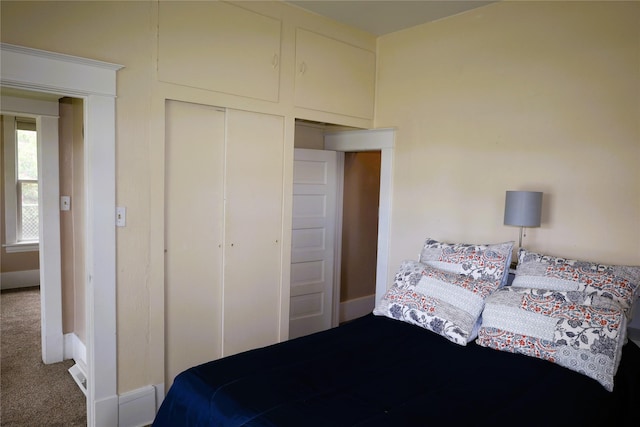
(65, 203)
(121, 216)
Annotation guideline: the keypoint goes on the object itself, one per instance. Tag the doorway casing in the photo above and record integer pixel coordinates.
(371, 140)
(95, 82)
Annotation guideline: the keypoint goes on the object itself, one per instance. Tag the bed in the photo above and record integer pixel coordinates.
(424, 358)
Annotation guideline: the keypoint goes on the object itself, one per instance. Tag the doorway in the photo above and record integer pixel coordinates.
(32, 178)
(321, 136)
(360, 201)
(42, 111)
(38, 71)
(58, 229)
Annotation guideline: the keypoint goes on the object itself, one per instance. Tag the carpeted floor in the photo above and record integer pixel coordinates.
(32, 393)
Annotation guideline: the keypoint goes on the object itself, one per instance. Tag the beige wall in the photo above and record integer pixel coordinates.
(309, 135)
(360, 224)
(72, 221)
(517, 96)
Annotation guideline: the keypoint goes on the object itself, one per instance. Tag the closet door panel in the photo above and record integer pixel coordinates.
(219, 46)
(194, 150)
(253, 229)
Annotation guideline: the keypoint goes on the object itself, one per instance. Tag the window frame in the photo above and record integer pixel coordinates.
(19, 205)
(12, 214)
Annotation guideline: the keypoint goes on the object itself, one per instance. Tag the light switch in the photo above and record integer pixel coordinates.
(121, 216)
(65, 203)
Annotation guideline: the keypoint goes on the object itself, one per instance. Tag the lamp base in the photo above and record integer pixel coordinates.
(520, 241)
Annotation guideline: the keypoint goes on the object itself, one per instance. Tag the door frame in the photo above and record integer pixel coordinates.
(93, 81)
(382, 140)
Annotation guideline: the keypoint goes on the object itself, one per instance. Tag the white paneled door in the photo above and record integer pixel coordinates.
(313, 237)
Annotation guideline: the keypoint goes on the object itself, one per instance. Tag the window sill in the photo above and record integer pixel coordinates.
(21, 247)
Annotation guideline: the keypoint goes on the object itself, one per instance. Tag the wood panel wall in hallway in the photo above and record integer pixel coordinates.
(360, 224)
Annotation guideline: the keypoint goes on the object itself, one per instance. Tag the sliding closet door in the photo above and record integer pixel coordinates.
(253, 227)
(195, 136)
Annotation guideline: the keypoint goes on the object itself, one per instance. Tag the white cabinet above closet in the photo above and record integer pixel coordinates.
(334, 76)
(221, 47)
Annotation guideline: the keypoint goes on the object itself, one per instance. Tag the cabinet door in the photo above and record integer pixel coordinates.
(218, 46)
(334, 76)
(253, 229)
(194, 147)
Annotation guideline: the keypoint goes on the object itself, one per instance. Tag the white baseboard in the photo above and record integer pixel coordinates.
(20, 279)
(138, 408)
(160, 394)
(105, 412)
(356, 307)
(75, 349)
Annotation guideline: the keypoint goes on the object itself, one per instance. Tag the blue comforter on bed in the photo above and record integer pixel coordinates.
(376, 371)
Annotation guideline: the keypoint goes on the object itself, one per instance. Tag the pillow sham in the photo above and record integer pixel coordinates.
(480, 261)
(446, 303)
(572, 329)
(619, 283)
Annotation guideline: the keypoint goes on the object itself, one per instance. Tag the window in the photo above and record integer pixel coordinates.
(27, 181)
(21, 183)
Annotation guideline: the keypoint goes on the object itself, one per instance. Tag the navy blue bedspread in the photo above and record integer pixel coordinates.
(376, 371)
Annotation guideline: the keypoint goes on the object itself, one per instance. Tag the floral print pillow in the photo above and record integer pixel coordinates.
(480, 261)
(446, 303)
(582, 332)
(618, 283)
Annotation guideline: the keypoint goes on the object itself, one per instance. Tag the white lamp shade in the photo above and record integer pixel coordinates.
(523, 208)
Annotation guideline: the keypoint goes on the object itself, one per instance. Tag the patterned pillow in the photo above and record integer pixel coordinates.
(617, 282)
(446, 303)
(486, 261)
(572, 329)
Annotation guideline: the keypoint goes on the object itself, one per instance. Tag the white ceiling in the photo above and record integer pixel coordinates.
(381, 17)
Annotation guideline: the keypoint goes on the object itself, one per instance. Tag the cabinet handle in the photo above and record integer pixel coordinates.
(303, 67)
(275, 61)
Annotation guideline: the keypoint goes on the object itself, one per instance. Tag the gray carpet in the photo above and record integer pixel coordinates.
(32, 393)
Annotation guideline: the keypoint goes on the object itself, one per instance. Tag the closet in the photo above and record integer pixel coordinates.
(223, 231)
(224, 167)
